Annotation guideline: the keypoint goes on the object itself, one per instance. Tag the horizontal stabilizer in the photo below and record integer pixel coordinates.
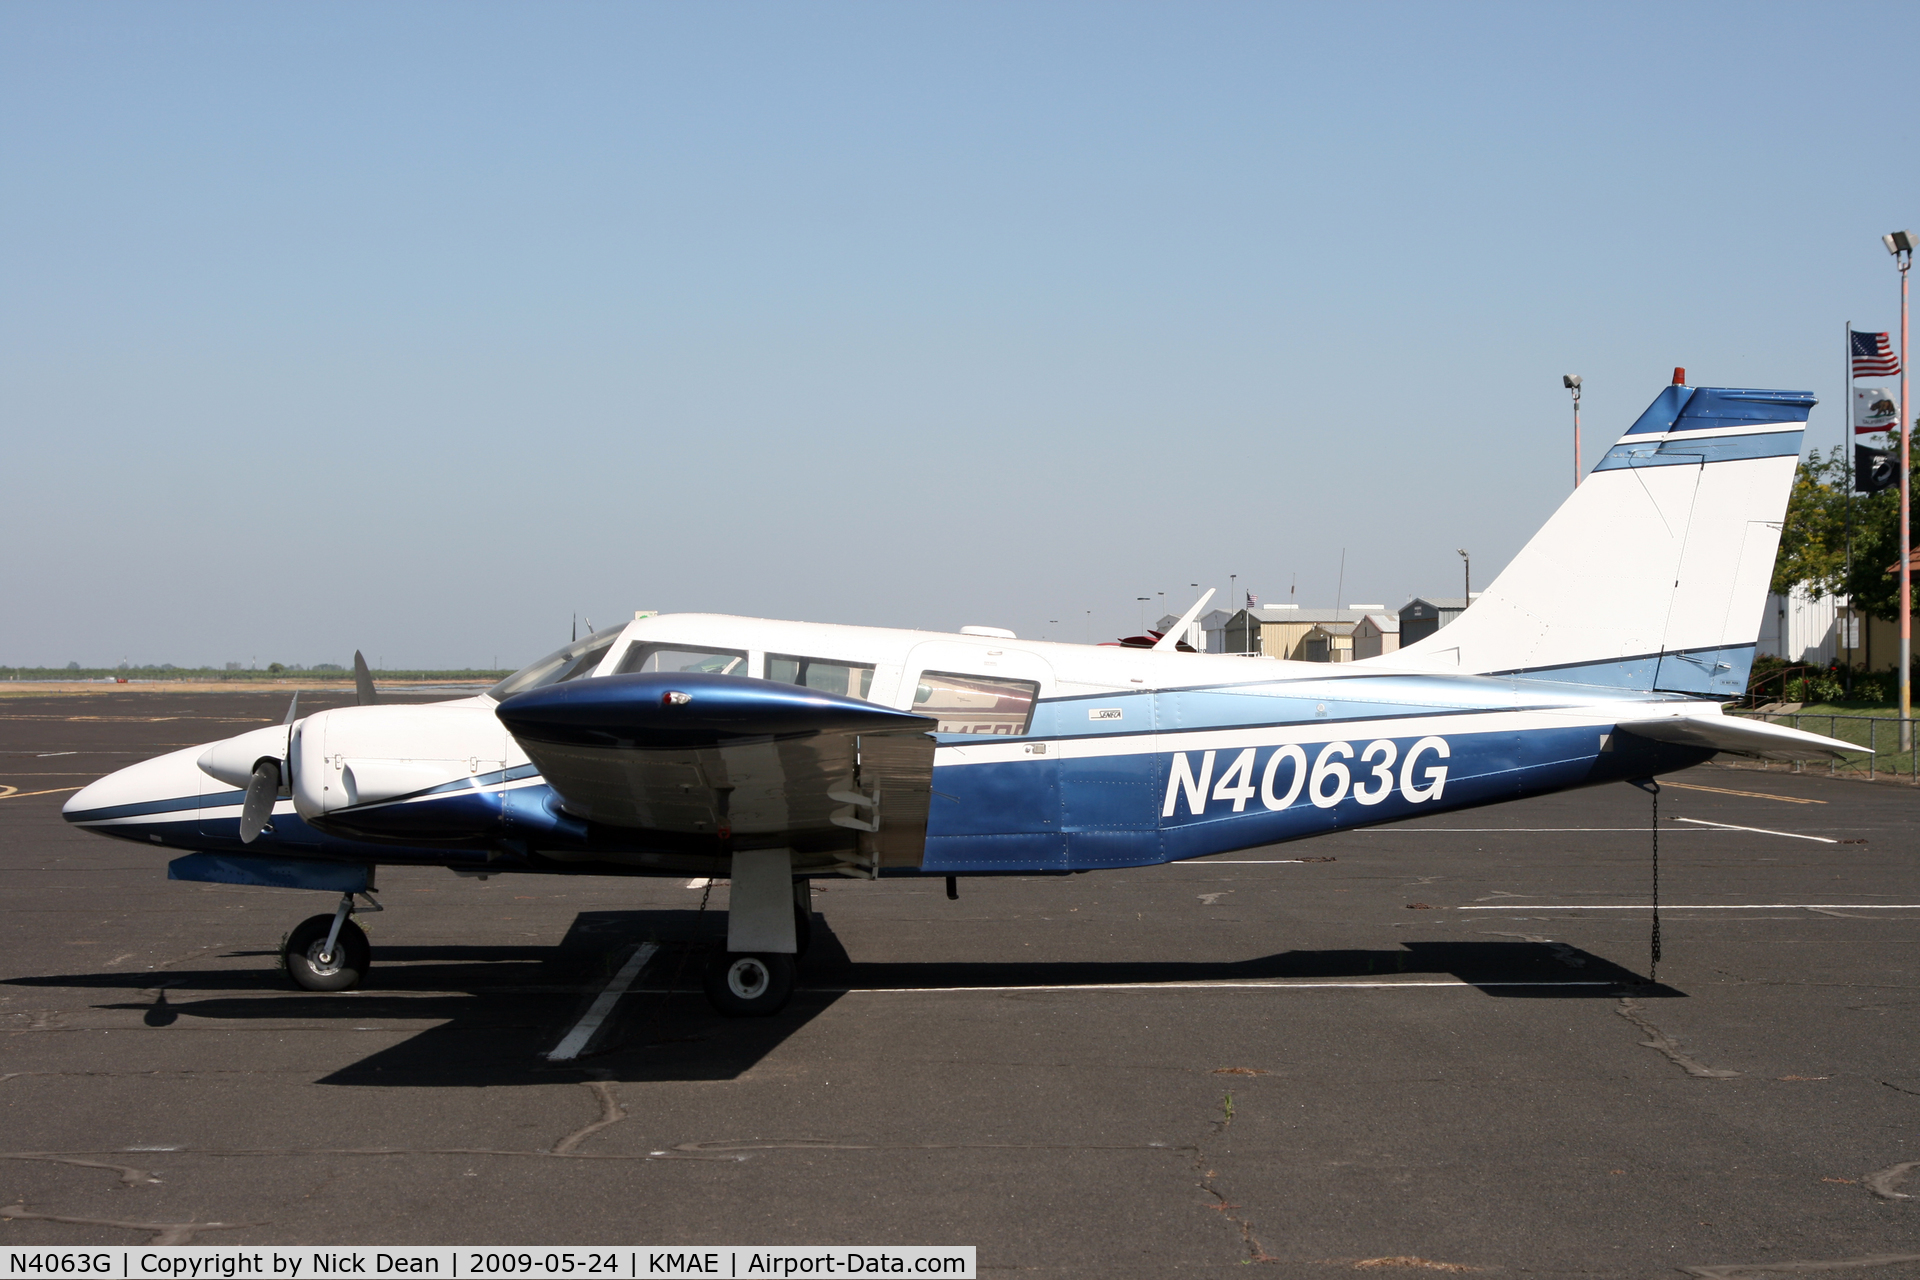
(1738, 736)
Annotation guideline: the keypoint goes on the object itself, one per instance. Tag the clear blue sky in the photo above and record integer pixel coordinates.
(419, 327)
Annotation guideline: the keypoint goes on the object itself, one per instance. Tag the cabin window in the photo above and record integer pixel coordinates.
(650, 658)
(576, 660)
(975, 704)
(853, 679)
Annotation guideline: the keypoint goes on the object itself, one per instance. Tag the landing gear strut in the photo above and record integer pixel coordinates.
(329, 953)
(769, 922)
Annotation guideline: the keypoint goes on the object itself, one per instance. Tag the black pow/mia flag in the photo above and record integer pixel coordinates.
(1874, 470)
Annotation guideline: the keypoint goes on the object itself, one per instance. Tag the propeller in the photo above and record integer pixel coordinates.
(1173, 638)
(262, 790)
(363, 682)
(293, 709)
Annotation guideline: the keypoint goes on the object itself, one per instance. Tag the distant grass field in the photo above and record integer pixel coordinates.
(218, 675)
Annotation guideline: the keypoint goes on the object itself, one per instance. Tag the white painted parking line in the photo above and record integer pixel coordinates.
(1699, 822)
(1241, 862)
(1728, 826)
(576, 1039)
(1270, 985)
(1711, 906)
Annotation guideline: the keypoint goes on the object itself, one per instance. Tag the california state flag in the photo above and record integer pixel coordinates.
(1873, 410)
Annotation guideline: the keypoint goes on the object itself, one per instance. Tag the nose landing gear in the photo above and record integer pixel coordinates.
(329, 953)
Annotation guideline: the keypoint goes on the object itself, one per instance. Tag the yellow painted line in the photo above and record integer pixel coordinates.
(1751, 795)
(14, 793)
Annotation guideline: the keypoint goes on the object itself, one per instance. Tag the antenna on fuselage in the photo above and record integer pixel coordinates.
(1179, 629)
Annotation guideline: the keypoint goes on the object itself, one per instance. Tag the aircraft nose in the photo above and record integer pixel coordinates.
(166, 785)
(102, 793)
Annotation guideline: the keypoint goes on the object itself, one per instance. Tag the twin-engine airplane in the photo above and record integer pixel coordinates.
(771, 752)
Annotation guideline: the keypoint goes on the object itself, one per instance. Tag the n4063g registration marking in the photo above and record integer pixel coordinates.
(1335, 774)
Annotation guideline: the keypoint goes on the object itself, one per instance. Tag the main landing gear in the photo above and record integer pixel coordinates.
(769, 925)
(329, 953)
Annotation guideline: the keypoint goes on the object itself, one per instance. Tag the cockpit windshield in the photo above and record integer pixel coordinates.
(576, 660)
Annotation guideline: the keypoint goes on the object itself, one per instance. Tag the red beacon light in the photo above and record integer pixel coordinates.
(1679, 376)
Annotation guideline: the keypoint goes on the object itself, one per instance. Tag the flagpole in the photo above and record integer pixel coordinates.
(1847, 438)
(1906, 532)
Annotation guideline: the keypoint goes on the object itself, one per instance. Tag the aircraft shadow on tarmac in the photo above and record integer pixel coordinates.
(497, 1010)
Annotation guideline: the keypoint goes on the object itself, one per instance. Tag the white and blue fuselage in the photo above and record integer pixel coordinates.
(1125, 757)
(672, 744)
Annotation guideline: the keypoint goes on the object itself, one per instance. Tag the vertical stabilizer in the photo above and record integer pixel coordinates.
(1653, 574)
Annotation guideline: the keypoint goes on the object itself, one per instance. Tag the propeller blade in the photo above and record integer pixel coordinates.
(363, 682)
(257, 812)
(1178, 631)
(293, 709)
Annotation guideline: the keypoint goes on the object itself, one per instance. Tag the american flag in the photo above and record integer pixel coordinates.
(1253, 601)
(1873, 356)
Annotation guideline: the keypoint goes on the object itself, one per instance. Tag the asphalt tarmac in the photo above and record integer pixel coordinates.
(1424, 1048)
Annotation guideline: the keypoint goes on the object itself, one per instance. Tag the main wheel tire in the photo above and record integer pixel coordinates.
(753, 984)
(342, 970)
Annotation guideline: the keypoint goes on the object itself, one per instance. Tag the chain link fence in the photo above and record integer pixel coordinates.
(1880, 734)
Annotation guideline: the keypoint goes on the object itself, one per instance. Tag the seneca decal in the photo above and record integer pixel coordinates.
(1335, 773)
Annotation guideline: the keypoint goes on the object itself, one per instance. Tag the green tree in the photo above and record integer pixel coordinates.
(1813, 540)
(1824, 518)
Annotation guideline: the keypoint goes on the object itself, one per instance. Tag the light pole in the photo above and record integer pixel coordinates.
(1571, 381)
(1900, 245)
(1466, 573)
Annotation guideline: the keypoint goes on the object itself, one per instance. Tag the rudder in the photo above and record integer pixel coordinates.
(1652, 575)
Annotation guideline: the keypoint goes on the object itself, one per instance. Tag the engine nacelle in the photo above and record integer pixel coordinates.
(352, 757)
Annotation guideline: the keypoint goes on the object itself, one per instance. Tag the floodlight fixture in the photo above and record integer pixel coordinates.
(1899, 242)
(1571, 381)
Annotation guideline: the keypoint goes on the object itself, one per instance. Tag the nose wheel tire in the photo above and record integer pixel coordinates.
(749, 984)
(312, 970)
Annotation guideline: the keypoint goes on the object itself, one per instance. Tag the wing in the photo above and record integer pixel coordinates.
(842, 782)
(1738, 736)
